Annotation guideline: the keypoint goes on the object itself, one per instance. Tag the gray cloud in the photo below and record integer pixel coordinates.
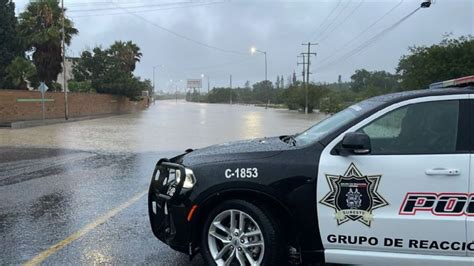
(278, 27)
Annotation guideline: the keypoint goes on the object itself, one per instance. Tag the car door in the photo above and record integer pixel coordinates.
(470, 212)
(407, 195)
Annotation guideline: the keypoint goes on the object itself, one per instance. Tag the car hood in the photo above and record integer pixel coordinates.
(237, 150)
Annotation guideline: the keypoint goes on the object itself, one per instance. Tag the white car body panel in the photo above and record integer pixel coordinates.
(395, 259)
(400, 174)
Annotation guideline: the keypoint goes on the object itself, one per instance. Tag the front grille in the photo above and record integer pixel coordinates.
(165, 180)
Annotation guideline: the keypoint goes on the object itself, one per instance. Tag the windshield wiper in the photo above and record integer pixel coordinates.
(290, 139)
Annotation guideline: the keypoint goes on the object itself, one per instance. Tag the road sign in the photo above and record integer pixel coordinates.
(42, 87)
(194, 83)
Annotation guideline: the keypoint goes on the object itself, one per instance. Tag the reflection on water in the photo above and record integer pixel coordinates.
(165, 126)
(252, 125)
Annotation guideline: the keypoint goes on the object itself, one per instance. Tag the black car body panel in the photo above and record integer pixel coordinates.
(237, 150)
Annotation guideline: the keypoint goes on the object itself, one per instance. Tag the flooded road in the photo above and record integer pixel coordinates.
(74, 193)
(165, 126)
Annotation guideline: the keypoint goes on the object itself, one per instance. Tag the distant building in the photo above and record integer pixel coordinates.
(70, 61)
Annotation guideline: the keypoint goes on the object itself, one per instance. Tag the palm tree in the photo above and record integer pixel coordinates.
(19, 73)
(40, 29)
(127, 53)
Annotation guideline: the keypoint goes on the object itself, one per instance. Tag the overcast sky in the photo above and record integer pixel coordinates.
(180, 35)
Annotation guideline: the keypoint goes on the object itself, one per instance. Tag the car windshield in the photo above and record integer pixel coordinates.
(332, 123)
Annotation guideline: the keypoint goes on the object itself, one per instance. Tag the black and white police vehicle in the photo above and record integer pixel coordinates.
(385, 181)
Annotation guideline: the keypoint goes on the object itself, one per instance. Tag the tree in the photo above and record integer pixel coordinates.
(10, 43)
(80, 86)
(18, 72)
(127, 53)
(359, 79)
(92, 65)
(371, 83)
(109, 71)
(262, 91)
(147, 86)
(289, 81)
(247, 84)
(277, 82)
(40, 29)
(450, 59)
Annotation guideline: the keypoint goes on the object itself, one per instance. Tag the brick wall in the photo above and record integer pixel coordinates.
(14, 107)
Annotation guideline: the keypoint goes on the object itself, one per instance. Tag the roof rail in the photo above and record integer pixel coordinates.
(459, 82)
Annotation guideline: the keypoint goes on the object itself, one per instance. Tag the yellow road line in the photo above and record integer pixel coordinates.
(86, 229)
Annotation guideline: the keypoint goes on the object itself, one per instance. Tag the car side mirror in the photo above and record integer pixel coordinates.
(355, 143)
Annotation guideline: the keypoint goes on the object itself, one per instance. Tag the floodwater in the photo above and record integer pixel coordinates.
(165, 126)
(57, 181)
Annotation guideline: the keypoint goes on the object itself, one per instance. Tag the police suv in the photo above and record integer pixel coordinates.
(385, 181)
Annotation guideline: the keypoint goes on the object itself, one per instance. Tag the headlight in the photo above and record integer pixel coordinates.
(189, 180)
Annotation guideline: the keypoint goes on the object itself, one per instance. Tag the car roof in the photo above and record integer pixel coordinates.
(405, 95)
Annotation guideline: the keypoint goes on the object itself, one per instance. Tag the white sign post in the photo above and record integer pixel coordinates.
(42, 88)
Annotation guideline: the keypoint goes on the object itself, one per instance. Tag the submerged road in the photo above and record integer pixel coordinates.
(74, 193)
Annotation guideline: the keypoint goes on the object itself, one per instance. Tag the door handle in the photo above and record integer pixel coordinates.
(443, 171)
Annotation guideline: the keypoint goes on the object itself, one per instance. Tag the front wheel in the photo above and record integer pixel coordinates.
(238, 232)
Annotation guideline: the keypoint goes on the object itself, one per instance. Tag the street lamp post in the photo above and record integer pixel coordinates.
(254, 50)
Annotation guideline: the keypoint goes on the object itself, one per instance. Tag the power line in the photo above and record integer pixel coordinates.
(342, 21)
(128, 7)
(326, 18)
(147, 10)
(334, 19)
(88, 3)
(180, 35)
(363, 31)
(369, 42)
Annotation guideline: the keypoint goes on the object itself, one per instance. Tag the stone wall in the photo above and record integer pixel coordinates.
(17, 105)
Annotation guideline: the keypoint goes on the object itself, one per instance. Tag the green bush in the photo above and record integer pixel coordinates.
(80, 86)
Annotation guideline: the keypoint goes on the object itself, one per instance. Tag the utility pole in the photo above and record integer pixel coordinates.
(230, 88)
(308, 65)
(63, 44)
(304, 66)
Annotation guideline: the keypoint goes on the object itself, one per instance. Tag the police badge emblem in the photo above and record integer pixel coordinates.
(353, 196)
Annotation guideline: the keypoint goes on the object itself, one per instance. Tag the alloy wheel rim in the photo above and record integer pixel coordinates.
(234, 238)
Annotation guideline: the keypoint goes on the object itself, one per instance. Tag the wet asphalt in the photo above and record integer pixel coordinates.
(57, 179)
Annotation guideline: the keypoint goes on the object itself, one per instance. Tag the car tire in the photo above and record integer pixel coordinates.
(241, 242)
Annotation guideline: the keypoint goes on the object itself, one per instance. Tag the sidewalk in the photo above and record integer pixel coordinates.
(35, 123)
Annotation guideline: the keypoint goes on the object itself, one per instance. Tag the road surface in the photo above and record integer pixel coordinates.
(74, 193)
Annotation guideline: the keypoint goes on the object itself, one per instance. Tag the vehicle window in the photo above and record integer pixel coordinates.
(332, 123)
(429, 127)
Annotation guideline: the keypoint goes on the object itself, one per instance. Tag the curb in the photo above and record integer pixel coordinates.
(36, 123)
